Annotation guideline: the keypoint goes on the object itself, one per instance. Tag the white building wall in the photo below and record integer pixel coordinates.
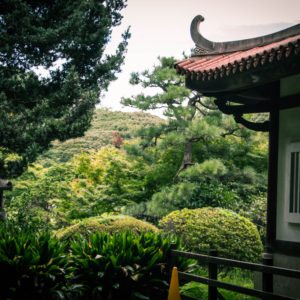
(289, 132)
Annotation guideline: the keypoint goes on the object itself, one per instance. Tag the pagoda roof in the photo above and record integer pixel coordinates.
(213, 60)
(245, 76)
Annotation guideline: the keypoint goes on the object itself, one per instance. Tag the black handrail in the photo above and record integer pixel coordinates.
(213, 261)
(232, 287)
(239, 264)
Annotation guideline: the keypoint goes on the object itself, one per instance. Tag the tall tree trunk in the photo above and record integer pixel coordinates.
(187, 157)
(188, 146)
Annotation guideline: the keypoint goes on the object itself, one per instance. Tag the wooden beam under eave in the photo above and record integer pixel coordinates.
(262, 107)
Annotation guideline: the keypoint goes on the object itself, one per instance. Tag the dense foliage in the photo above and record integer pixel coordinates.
(104, 126)
(200, 185)
(201, 229)
(67, 235)
(192, 119)
(199, 157)
(31, 266)
(53, 67)
(121, 266)
(90, 185)
(178, 102)
(100, 266)
(228, 172)
(140, 173)
(106, 224)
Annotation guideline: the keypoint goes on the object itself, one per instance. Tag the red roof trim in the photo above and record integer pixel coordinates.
(213, 66)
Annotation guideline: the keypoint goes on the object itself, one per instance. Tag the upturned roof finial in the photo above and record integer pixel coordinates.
(206, 47)
(203, 45)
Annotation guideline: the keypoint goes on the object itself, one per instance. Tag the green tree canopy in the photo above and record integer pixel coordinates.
(90, 184)
(199, 157)
(66, 40)
(191, 117)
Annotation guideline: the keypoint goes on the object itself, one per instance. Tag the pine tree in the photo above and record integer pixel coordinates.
(179, 104)
(66, 39)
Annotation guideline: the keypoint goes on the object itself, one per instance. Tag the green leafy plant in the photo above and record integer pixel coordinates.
(31, 266)
(102, 266)
(91, 184)
(119, 266)
(232, 235)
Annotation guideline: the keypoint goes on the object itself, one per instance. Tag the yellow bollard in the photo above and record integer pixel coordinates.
(174, 286)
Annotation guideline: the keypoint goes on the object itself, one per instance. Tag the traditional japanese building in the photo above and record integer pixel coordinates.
(253, 76)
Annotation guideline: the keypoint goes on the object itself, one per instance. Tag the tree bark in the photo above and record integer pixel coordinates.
(187, 157)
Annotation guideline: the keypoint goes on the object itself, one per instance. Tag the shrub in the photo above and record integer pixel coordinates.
(257, 213)
(119, 266)
(31, 266)
(191, 195)
(201, 185)
(232, 235)
(101, 266)
(107, 223)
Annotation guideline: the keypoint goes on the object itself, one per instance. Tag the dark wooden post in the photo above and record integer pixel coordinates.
(267, 278)
(273, 168)
(212, 274)
(157, 293)
(171, 261)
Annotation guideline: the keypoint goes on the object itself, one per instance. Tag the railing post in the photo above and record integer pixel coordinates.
(171, 261)
(212, 274)
(157, 293)
(267, 278)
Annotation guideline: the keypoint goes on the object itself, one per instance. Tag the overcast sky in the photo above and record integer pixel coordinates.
(162, 28)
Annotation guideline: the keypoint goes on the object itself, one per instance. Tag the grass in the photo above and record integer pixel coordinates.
(238, 277)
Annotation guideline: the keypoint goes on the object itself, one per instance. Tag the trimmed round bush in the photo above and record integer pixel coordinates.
(108, 224)
(232, 235)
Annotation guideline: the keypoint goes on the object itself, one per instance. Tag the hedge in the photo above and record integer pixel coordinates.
(106, 224)
(232, 235)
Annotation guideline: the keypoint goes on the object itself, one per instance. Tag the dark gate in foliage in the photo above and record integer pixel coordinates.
(212, 262)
